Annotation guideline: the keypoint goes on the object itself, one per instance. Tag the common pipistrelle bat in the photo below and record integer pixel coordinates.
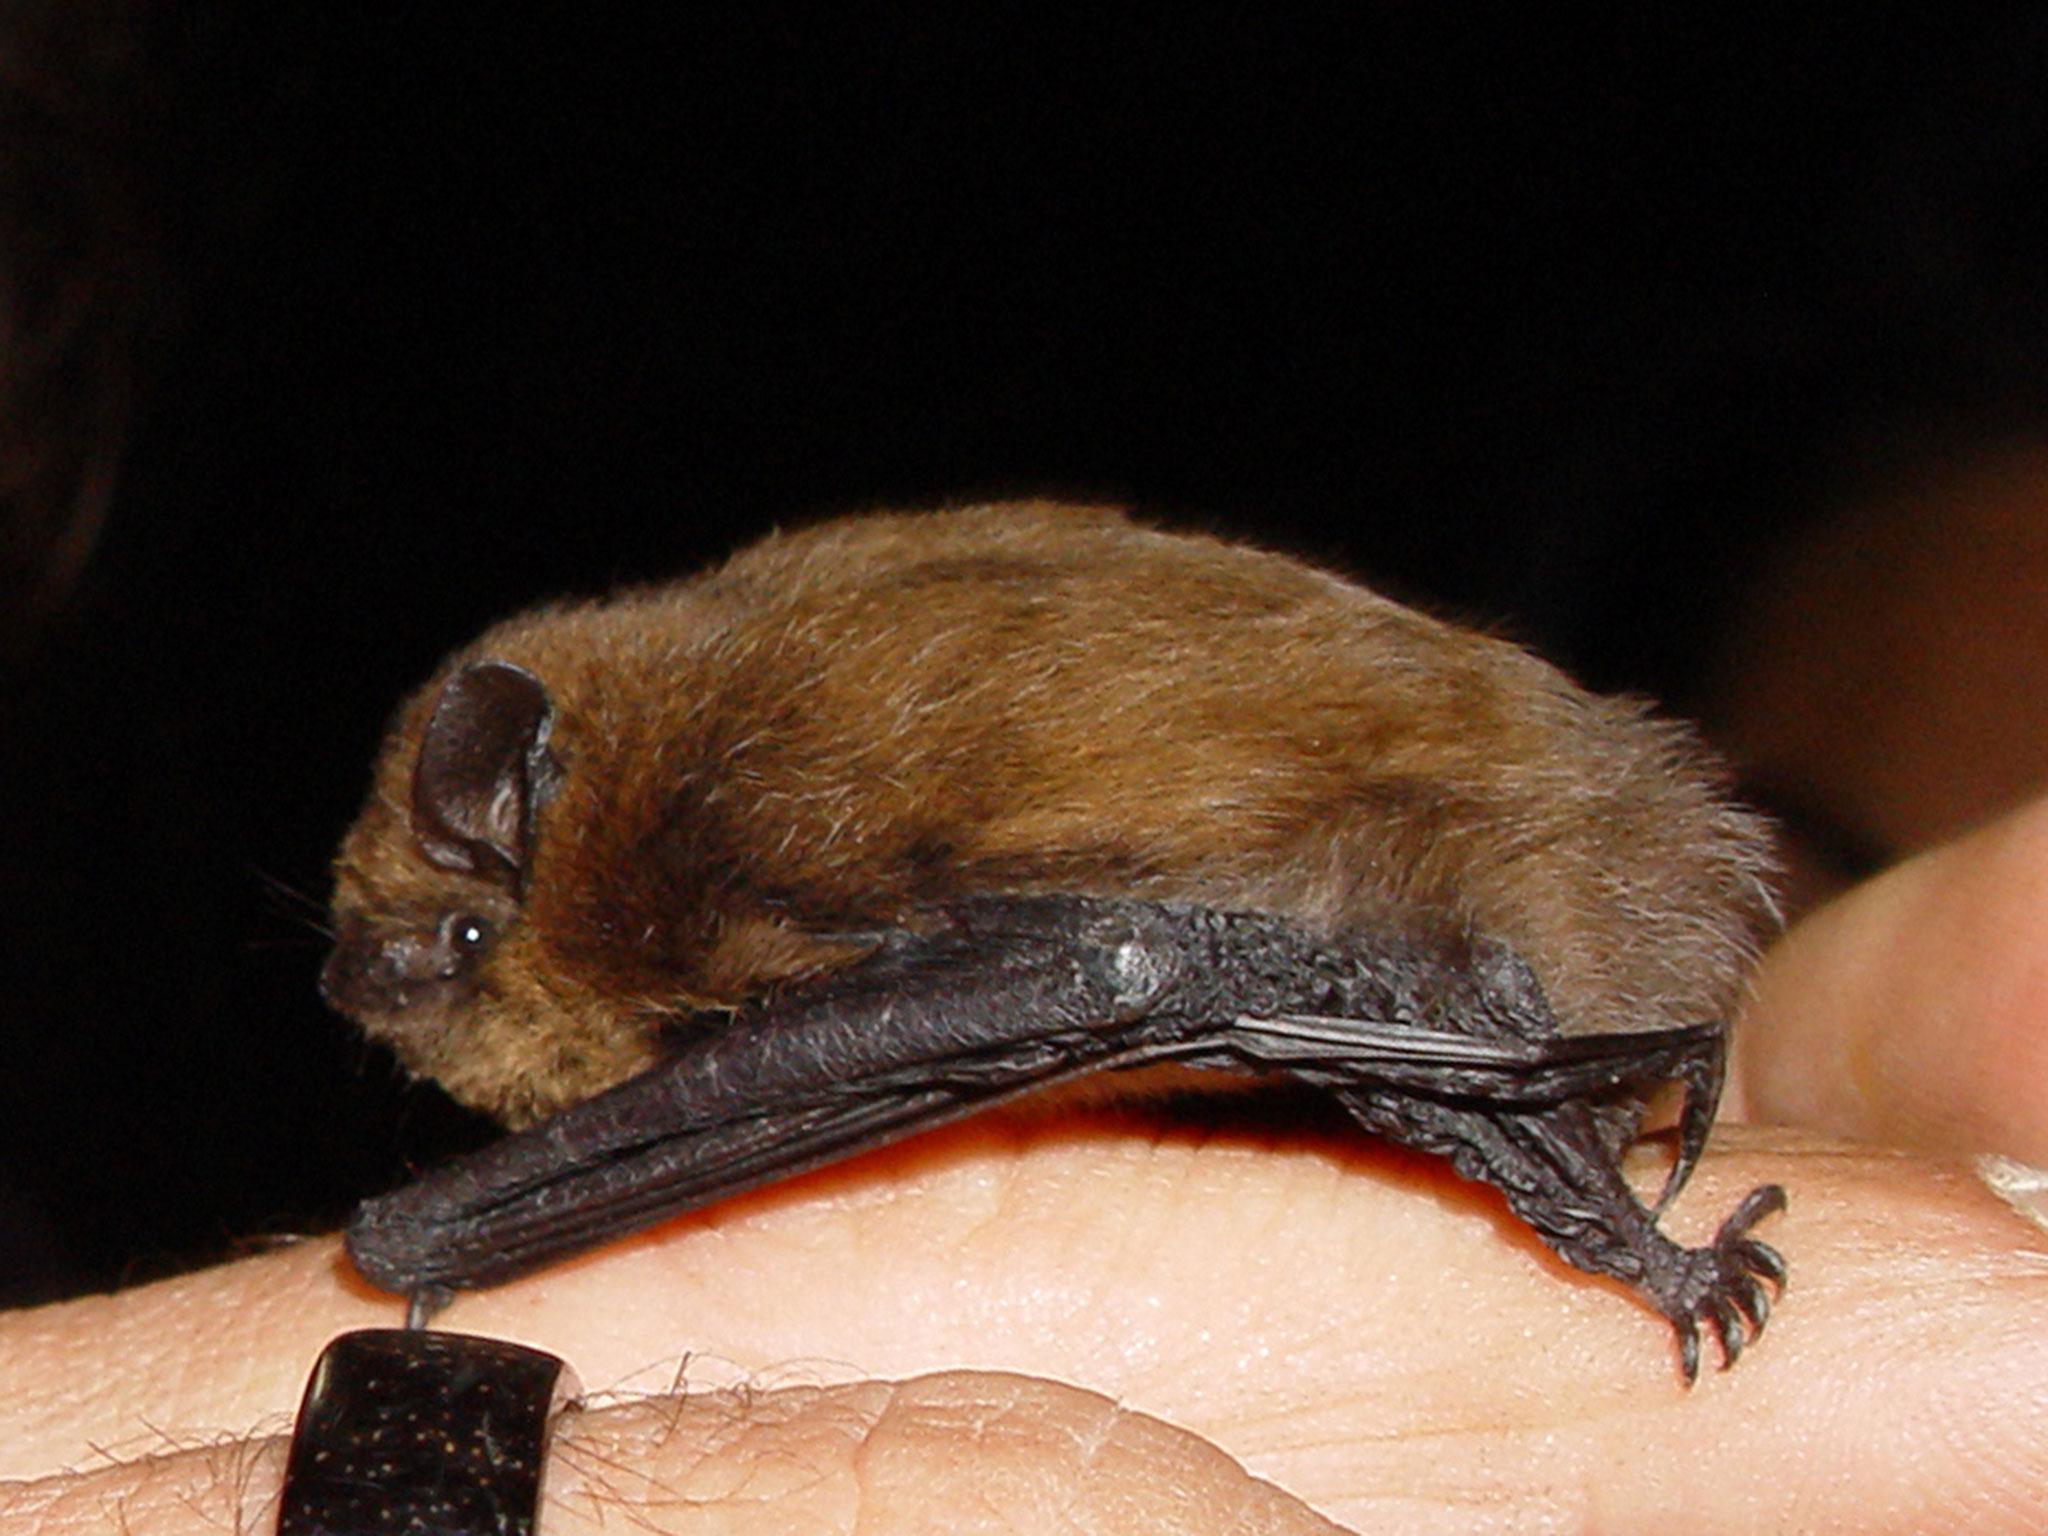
(899, 816)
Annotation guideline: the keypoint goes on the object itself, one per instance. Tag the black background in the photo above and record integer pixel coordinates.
(1555, 327)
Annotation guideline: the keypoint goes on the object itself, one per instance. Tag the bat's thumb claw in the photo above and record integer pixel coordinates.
(1132, 954)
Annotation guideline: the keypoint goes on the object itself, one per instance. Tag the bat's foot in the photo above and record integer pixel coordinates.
(1722, 1285)
(1557, 1168)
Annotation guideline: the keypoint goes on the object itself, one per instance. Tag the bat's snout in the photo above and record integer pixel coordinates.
(386, 974)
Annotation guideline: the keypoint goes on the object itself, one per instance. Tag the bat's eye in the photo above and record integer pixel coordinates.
(468, 935)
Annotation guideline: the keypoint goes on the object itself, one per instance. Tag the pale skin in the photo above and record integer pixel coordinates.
(1094, 1325)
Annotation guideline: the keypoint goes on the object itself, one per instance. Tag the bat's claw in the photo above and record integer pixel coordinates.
(1723, 1285)
(1702, 1076)
(423, 1302)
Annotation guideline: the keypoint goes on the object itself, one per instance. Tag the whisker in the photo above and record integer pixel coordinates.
(288, 901)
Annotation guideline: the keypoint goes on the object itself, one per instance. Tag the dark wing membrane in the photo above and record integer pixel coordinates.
(537, 1196)
(933, 1029)
(1005, 997)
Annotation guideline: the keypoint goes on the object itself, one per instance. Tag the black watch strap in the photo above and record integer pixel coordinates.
(409, 1430)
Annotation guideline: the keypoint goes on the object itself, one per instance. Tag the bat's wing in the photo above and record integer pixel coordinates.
(1343, 1053)
(1010, 995)
(932, 1028)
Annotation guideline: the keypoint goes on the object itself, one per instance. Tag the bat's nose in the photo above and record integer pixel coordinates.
(346, 988)
(369, 973)
(344, 977)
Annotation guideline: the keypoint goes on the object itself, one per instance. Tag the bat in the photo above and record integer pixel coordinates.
(902, 816)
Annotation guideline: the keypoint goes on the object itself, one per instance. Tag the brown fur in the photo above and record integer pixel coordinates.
(844, 724)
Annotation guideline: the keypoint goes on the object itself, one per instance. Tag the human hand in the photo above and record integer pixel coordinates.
(1913, 1009)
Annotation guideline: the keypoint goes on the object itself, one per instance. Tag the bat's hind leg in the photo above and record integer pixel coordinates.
(1556, 1167)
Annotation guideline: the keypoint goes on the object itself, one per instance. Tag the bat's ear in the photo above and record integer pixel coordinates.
(483, 770)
